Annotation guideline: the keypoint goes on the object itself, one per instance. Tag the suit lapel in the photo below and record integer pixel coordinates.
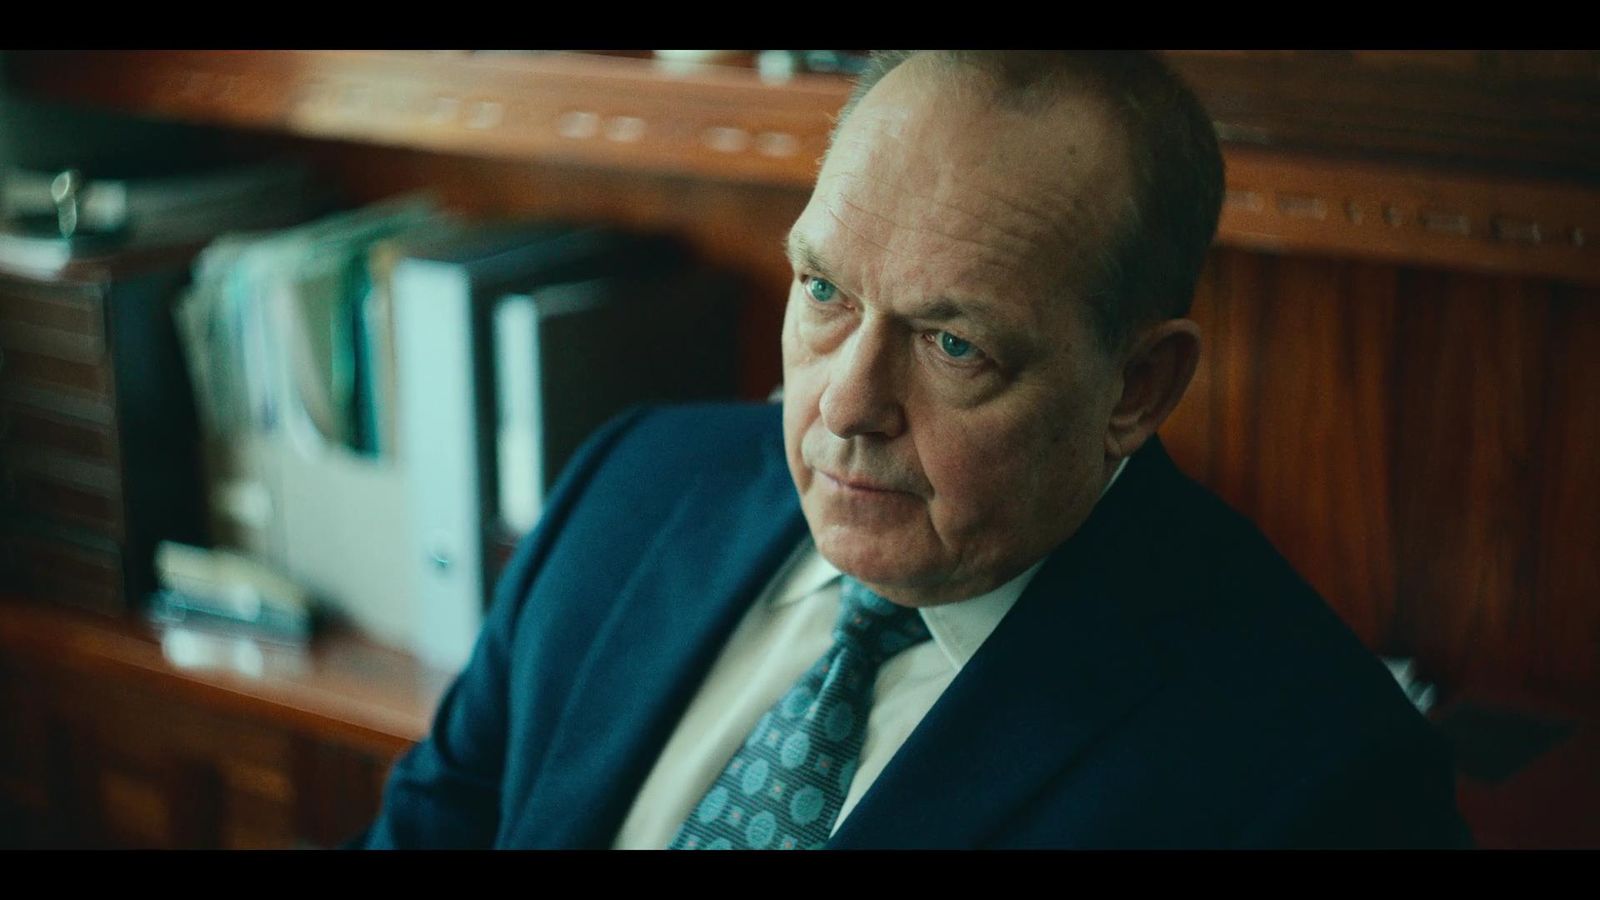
(720, 546)
(1068, 662)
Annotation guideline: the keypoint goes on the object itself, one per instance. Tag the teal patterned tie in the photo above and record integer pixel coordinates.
(783, 789)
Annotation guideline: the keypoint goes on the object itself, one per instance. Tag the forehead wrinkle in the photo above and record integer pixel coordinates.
(1017, 237)
(940, 197)
(988, 257)
(1048, 208)
(1035, 226)
(857, 232)
(1021, 244)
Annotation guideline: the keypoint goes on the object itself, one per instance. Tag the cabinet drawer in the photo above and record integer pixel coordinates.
(53, 346)
(69, 309)
(61, 570)
(63, 492)
(26, 427)
(52, 342)
(78, 379)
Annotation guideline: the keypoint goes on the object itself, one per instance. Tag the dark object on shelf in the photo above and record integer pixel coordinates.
(46, 241)
(52, 220)
(1493, 744)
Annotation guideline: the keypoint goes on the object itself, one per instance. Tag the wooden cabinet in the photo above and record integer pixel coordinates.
(116, 734)
(98, 454)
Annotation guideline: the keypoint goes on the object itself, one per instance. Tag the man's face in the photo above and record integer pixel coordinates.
(945, 403)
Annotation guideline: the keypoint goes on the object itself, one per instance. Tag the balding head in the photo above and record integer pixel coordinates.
(1167, 214)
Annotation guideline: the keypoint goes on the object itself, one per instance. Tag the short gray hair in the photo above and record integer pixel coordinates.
(1148, 271)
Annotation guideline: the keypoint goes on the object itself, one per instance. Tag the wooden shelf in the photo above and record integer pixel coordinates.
(1408, 214)
(1324, 157)
(341, 687)
(709, 122)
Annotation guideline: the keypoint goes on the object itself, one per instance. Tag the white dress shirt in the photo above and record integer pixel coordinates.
(787, 630)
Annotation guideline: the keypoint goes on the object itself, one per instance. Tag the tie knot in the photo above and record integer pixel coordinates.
(873, 626)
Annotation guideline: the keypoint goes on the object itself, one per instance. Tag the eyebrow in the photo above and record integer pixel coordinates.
(943, 309)
(802, 256)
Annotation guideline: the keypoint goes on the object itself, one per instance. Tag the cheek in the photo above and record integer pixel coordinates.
(794, 429)
(800, 396)
(974, 466)
(789, 336)
(797, 358)
(803, 340)
(1010, 466)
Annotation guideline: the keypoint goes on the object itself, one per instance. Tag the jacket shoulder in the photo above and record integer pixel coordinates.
(695, 435)
(1300, 714)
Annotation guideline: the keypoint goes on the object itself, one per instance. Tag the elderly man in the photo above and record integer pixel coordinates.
(961, 597)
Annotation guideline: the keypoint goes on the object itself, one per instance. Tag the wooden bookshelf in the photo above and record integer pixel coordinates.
(1353, 156)
(612, 112)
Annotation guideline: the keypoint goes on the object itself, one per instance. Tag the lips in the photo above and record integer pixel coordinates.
(857, 483)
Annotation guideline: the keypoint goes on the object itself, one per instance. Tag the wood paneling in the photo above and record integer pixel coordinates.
(1565, 538)
(1508, 109)
(1418, 444)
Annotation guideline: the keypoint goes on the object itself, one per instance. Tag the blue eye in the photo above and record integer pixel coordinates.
(820, 291)
(954, 347)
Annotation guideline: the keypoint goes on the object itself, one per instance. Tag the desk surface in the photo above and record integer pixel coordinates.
(341, 686)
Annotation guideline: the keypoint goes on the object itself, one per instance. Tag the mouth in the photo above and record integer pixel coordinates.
(858, 485)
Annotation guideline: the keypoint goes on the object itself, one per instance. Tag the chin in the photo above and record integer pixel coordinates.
(872, 559)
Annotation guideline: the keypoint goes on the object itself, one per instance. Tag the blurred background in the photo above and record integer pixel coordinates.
(292, 343)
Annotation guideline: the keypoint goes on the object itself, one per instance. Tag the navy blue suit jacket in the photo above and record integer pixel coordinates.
(1166, 680)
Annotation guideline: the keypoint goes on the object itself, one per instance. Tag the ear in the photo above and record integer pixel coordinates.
(1155, 373)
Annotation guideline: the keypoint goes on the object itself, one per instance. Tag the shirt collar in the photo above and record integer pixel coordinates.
(809, 573)
(960, 628)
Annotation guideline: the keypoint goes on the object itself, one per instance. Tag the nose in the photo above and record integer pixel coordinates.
(863, 393)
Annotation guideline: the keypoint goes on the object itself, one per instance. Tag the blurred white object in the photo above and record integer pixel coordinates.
(1420, 692)
(688, 60)
(777, 65)
(285, 488)
(238, 583)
